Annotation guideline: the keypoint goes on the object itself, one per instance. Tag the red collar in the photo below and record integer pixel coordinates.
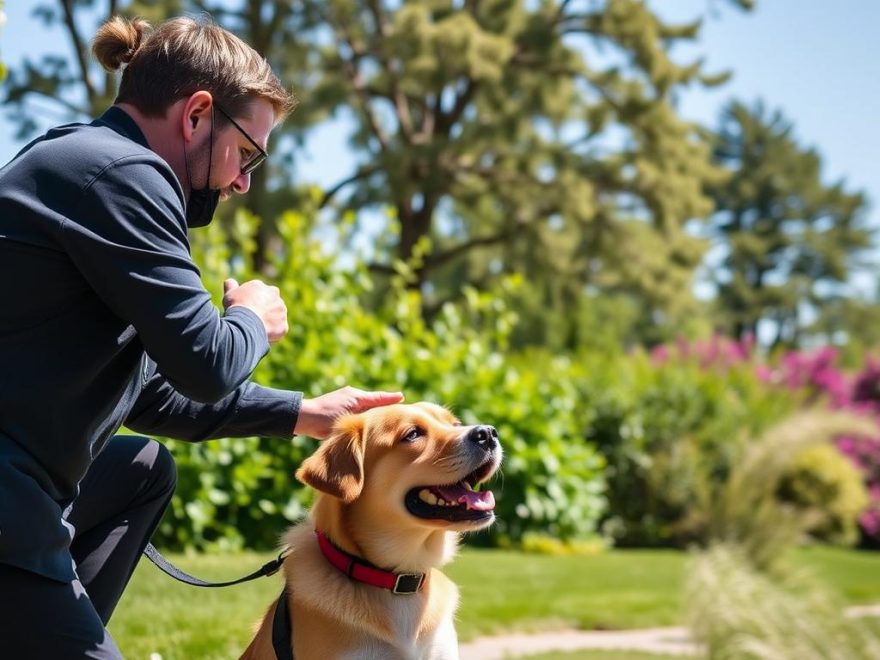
(362, 571)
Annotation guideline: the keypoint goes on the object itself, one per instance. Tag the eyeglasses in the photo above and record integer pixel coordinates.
(258, 157)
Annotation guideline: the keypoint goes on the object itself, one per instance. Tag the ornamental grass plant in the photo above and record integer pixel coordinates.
(738, 612)
(744, 598)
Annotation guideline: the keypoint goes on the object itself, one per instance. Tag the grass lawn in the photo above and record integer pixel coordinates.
(501, 591)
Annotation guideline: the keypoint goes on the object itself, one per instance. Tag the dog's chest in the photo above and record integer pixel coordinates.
(439, 644)
(425, 649)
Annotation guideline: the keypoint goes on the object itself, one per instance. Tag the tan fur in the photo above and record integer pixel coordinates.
(362, 474)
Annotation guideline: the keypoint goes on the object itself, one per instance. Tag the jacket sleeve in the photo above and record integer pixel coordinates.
(127, 236)
(250, 410)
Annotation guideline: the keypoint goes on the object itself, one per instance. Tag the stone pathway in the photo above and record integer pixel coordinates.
(674, 641)
(656, 640)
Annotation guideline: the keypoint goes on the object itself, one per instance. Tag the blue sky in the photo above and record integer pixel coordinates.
(815, 60)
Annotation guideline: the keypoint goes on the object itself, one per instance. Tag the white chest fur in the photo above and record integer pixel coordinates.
(407, 613)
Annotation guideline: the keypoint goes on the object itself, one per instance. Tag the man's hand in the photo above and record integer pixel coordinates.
(265, 301)
(316, 416)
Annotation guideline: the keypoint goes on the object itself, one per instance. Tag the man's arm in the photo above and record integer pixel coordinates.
(250, 410)
(127, 237)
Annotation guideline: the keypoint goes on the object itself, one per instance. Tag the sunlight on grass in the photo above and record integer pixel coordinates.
(501, 591)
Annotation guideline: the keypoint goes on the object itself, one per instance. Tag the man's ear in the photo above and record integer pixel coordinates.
(196, 114)
(337, 467)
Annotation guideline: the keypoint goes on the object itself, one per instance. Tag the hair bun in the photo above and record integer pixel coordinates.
(117, 41)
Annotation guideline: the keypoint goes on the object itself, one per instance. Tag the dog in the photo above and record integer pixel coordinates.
(396, 488)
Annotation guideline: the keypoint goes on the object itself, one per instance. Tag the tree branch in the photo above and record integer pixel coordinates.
(382, 24)
(435, 260)
(67, 6)
(350, 66)
(57, 99)
(384, 269)
(401, 106)
(281, 12)
(109, 78)
(446, 121)
(362, 173)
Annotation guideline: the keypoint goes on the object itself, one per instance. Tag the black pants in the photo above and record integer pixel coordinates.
(121, 500)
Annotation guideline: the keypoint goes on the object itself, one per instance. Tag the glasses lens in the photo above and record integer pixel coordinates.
(253, 163)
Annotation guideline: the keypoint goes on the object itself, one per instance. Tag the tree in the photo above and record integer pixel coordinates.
(59, 87)
(791, 242)
(512, 136)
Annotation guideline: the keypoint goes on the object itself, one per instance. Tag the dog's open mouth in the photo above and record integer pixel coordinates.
(456, 502)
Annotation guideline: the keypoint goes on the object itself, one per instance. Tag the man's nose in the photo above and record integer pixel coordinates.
(484, 436)
(242, 184)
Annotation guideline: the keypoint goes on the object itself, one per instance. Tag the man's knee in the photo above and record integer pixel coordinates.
(163, 471)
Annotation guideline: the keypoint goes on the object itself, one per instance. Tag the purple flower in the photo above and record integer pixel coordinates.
(870, 522)
(660, 355)
(815, 373)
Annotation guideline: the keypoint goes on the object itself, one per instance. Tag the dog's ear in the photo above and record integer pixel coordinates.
(337, 467)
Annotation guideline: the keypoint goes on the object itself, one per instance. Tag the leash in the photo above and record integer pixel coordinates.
(282, 626)
(269, 568)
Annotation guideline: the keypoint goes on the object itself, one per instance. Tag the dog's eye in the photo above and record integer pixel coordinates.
(412, 435)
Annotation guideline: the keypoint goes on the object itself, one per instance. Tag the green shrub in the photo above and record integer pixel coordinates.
(241, 492)
(670, 432)
(825, 482)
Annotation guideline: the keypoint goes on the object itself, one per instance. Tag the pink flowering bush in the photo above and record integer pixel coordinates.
(816, 377)
(717, 352)
(817, 372)
(865, 452)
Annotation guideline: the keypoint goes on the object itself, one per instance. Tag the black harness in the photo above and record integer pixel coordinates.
(282, 622)
(282, 628)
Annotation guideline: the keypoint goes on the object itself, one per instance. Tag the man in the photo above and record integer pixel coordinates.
(104, 322)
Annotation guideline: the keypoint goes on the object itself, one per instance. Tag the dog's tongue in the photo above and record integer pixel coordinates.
(477, 501)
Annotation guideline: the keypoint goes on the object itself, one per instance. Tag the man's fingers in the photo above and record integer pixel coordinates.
(375, 399)
(229, 285)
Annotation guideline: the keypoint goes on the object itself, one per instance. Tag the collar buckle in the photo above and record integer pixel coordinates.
(408, 583)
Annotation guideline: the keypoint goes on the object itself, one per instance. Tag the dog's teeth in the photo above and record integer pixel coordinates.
(427, 496)
(442, 502)
(467, 486)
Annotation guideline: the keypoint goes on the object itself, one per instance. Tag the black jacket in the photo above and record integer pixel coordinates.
(104, 321)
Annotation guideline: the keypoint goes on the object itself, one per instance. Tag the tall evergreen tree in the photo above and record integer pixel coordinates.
(514, 136)
(791, 241)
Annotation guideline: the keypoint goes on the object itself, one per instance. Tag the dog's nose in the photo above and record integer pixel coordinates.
(485, 436)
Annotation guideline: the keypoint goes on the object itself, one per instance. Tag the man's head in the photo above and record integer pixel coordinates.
(182, 56)
(205, 100)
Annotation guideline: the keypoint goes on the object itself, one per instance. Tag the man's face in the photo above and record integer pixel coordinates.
(232, 149)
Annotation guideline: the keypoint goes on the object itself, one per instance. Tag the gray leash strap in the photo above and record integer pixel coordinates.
(269, 568)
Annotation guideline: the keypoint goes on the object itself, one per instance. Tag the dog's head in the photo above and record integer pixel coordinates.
(409, 465)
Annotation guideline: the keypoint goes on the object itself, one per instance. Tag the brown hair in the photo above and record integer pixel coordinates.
(182, 56)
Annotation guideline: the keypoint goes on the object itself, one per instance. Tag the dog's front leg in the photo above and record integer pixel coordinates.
(445, 643)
